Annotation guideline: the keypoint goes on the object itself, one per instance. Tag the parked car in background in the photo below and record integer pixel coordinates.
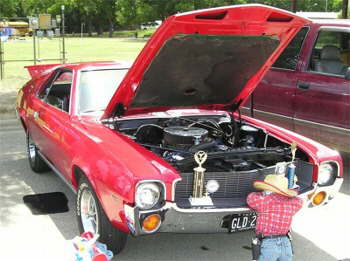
(170, 152)
(307, 90)
(150, 25)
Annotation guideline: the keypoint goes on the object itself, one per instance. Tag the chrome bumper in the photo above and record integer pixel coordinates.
(176, 220)
(199, 220)
(330, 191)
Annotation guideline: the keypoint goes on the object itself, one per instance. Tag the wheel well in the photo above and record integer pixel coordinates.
(23, 124)
(77, 174)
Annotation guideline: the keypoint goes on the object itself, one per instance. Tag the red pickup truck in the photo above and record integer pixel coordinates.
(308, 88)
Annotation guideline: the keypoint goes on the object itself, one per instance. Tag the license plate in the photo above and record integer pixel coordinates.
(239, 222)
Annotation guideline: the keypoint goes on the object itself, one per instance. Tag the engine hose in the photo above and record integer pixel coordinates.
(203, 146)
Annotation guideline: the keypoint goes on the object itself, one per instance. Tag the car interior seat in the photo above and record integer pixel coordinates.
(330, 61)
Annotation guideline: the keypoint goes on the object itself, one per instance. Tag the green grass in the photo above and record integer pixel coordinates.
(77, 50)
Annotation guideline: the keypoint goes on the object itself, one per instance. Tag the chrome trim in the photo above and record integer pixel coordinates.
(178, 221)
(57, 172)
(325, 126)
(209, 210)
(268, 113)
(150, 181)
(304, 122)
(265, 141)
(325, 162)
(330, 190)
(175, 181)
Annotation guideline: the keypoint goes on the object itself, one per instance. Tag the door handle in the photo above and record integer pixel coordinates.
(36, 114)
(303, 85)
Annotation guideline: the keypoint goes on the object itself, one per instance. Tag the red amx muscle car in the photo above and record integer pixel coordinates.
(164, 148)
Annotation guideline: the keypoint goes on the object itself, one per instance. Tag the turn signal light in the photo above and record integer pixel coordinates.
(151, 223)
(319, 198)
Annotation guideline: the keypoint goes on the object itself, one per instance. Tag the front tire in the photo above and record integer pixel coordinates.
(91, 217)
(37, 164)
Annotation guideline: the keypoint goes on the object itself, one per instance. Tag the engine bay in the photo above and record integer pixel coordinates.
(231, 144)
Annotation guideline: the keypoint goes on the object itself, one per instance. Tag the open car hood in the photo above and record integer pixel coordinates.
(206, 59)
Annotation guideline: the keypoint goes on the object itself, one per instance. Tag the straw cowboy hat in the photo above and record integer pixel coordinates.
(277, 184)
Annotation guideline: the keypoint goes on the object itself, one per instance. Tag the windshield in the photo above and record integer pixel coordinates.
(96, 88)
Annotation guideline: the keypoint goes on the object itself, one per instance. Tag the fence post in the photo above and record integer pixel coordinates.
(34, 46)
(63, 43)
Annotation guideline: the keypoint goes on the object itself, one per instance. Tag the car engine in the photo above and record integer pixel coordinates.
(231, 145)
(237, 153)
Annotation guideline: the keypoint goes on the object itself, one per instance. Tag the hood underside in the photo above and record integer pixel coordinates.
(202, 69)
(206, 59)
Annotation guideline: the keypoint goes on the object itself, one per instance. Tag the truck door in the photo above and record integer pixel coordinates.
(322, 101)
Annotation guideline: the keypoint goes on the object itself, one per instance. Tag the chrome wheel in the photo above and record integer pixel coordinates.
(31, 149)
(88, 210)
(36, 162)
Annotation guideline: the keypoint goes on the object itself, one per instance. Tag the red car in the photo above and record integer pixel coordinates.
(170, 152)
(308, 88)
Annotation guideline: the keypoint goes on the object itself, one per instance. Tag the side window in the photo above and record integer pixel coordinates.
(331, 53)
(57, 92)
(290, 56)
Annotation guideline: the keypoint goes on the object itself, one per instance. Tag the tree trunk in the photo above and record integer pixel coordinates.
(345, 9)
(111, 29)
(294, 6)
(99, 29)
(89, 27)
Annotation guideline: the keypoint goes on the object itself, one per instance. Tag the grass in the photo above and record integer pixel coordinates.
(77, 50)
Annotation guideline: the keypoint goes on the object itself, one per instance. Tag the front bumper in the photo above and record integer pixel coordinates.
(202, 220)
(330, 191)
(176, 220)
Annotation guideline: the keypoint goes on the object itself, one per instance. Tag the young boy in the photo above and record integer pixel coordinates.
(275, 207)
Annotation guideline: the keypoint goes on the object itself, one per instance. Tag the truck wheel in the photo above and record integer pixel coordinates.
(91, 217)
(37, 164)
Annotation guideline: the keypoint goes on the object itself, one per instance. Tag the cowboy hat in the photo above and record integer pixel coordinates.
(277, 184)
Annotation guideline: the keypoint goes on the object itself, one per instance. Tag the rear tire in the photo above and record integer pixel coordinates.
(37, 164)
(91, 217)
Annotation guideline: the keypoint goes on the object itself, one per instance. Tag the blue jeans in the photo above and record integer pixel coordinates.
(273, 249)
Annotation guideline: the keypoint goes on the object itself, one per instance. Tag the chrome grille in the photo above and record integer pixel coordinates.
(232, 184)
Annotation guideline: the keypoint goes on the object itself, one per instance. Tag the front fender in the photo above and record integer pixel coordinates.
(114, 164)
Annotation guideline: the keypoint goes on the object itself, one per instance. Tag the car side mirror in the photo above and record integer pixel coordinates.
(347, 74)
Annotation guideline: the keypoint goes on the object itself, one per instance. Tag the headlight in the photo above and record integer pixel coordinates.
(327, 174)
(147, 195)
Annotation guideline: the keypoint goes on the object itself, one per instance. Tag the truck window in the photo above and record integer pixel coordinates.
(289, 57)
(331, 53)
